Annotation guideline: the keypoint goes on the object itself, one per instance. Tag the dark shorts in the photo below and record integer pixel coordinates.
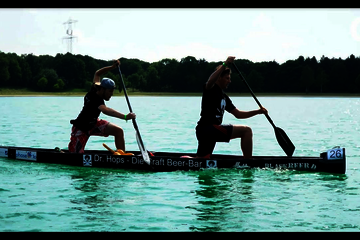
(208, 135)
(79, 138)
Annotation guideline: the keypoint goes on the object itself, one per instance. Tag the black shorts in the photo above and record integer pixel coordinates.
(208, 135)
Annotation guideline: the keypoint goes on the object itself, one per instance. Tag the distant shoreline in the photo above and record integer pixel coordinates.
(26, 93)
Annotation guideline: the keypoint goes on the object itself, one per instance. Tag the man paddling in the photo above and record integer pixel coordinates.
(214, 102)
(88, 123)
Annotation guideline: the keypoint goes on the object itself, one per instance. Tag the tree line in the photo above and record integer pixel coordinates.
(66, 72)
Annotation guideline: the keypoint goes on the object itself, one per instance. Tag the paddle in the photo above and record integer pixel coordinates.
(142, 148)
(112, 151)
(283, 140)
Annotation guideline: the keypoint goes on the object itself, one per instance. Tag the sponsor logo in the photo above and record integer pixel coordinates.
(239, 165)
(211, 163)
(292, 165)
(26, 155)
(3, 152)
(87, 161)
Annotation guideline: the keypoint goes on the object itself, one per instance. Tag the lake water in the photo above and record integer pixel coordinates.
(48, 197)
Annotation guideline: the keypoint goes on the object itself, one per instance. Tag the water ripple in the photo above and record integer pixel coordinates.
(45, 197)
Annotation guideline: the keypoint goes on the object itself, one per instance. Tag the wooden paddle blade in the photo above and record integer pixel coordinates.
(284, 141)
(112, 151)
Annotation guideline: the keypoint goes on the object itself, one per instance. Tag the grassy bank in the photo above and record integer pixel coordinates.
(81, 92)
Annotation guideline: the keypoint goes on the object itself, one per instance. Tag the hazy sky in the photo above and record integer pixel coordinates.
(213, 34)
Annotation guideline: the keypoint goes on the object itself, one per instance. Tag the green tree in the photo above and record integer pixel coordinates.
(338, 76)
(71, 70)
(51, 76)
(88, 85)
(91, 65)
(307, 78)
(42, 83)
(4, 70)
(237, 85)
(136, 81)
(168, 74)
(25, 72)
(188, 75)
(130, 66)
(153, 79)
(357, 84)
(256, 81)
(14, 71)
(287, 78)
(59, 85)
(35, 67)
(187, 71)
(321, 80)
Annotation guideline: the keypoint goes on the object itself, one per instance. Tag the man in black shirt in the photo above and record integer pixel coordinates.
(88, 123)
(210, 129)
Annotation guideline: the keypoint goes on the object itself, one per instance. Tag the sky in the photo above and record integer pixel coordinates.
(212, 34)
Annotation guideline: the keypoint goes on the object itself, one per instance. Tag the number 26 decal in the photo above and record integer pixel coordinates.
(334, 154)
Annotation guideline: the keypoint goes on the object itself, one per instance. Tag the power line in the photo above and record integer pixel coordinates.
(69, 33)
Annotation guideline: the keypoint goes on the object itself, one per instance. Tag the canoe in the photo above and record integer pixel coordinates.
(331, 161)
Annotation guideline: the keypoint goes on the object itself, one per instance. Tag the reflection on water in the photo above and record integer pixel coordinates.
(223, 194)
(95, 200)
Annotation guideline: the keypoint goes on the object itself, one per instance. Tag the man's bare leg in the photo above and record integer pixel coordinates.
(246, 135)
(118, 133)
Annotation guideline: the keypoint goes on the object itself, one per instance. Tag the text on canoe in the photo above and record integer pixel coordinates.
(157, 162)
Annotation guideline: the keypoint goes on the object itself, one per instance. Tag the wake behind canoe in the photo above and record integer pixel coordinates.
(332, 161)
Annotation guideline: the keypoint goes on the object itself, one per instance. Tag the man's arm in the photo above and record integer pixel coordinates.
(247, 114)
(215, 75)
(104, 70)
(113, 113)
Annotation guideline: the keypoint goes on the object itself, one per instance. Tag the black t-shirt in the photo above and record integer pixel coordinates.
(213, 104)
(90, 113)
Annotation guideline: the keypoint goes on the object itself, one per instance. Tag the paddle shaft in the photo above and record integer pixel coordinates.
(130, 109)
(252, 93)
